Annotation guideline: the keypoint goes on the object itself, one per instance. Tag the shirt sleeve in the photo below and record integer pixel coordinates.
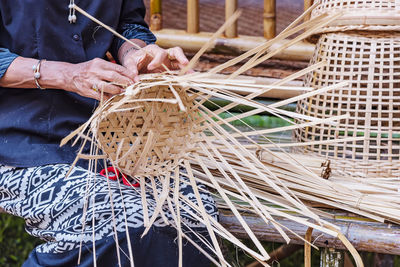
(6, 58)
(132, 25)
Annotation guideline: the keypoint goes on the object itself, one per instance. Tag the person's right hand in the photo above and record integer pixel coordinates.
(90, 78)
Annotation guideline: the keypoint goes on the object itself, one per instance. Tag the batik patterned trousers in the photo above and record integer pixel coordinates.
(82, 215)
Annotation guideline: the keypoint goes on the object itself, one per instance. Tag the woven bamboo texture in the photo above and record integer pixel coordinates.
(149, 132)
(371, 63)
(372, 15)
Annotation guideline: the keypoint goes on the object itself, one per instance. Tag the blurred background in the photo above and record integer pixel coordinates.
(212, 14)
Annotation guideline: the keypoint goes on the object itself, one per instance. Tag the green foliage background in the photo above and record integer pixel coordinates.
(15, 243)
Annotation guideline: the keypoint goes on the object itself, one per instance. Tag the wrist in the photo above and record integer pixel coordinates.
(128, 48)
(55, 75)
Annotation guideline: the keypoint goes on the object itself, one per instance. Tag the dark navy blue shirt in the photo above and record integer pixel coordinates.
(33, 121)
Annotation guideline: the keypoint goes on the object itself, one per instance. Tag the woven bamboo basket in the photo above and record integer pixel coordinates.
(148, 134)
(373, 15)
(371, 64)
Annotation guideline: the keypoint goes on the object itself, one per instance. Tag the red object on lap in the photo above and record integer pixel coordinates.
(114, 174)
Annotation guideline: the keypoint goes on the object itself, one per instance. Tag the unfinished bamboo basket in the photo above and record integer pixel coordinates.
(372, 15)
(371, 63)
(148, 132)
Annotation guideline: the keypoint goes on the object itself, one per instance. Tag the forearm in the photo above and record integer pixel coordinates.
(53, 74)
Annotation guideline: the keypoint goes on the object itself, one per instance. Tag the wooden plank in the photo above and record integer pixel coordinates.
(363, 234)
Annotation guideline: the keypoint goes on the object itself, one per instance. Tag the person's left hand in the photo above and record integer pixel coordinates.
(151, 58)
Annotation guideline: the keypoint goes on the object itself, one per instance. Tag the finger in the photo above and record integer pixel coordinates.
(136, 63)
(115, 77)
(119, 69)
(93, 93)
(158, 59)
(132, 65)
(109, 88)
(177, 54)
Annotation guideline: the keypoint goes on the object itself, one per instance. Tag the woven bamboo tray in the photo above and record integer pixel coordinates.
(374, 15)
(371, 63)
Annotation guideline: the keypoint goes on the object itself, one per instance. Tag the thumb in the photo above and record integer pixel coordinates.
(134, 66)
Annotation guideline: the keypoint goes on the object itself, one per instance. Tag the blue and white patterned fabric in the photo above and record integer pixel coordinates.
(55, 208)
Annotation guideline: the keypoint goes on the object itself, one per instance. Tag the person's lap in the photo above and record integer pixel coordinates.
(54, 207)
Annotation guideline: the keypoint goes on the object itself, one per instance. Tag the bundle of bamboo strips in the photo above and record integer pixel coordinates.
(160, 125)
(161, 134)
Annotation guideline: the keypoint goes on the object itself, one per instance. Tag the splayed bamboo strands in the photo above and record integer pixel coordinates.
(203, 116)
(300, 144)
(284, 34)
(346, 198)
(302, 36)
(160, 125)
(281, 82)
(196, 57)
(308, 196)
(289, 128)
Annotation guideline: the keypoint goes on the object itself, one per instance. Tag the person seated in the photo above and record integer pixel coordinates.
(53, 69)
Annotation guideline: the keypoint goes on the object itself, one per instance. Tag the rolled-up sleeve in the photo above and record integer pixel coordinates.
(132, 25)
(6, 58)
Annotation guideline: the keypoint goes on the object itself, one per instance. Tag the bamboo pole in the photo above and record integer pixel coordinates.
(307, 248)
(269, 19)
(230, 8)
(193, 16)
(155, 15)
(167, 38)
(360, 232)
